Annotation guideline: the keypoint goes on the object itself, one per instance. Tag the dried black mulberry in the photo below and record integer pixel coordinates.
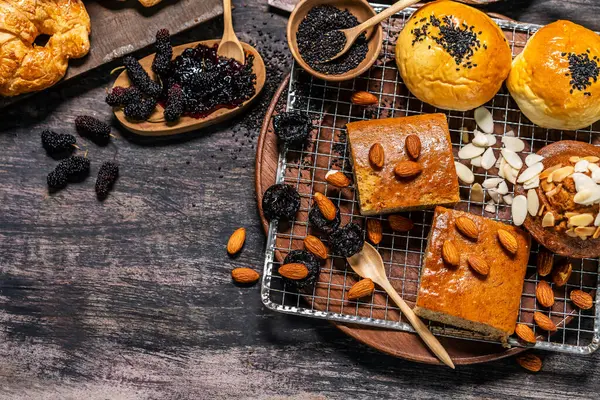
(164, 52)
(140, 78)
(56, 180)
(311, 263)
(77, 168)
(107, 176)
(94, 129)
(292, 128)
(120, 96)
(175, 104)
(140, 110)
(347, 241)
(280, 201)
(58, 145)
(316, 219)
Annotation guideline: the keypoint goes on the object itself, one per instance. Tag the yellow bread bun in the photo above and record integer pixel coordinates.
(540, 79)
(437, 69)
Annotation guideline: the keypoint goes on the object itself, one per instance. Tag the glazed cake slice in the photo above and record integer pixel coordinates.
(457, 295)
(380, 191)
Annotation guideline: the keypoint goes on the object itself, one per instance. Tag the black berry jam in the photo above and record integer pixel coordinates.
(583, 71)
(319, 39)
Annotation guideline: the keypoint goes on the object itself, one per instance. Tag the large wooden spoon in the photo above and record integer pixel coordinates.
(368, 264)
(230, 46)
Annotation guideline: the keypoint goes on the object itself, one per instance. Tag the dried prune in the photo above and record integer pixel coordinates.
(280, 201)
(316, 219)
(292, 128)
(347, 241)
(312, 264)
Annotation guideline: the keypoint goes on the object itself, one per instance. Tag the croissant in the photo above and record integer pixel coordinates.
(26, 67)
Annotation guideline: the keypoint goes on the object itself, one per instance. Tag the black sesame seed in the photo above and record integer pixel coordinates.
(584, 71)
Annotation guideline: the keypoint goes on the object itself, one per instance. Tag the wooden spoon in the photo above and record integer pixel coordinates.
(230, 46)
(185, 124)
(368, 264)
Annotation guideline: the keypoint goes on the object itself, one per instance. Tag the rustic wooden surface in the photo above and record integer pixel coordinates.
(132, 298)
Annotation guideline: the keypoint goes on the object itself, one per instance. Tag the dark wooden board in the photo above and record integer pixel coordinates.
(121, 27)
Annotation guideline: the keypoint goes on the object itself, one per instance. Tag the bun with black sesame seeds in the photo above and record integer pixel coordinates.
(555, 80)
(452, 56)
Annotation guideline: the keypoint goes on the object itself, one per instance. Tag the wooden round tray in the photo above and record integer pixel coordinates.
(396, 343)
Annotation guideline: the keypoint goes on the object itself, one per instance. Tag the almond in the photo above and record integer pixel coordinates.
(530, 362)
(362, 288)
(562, 274)
(508, 241)
(377, 155)
(545, 260)
(413, 146)
(525, 333)
(337, 178)
(479, 265)
(407, 169)
(544, 322)
(544, 294)
(450, 254)
(315, 246)
(236, 241)
(374, 231)
(294, 271)
(244, 275)
(326, 206)
(363, 98)
(582, 299)
(467, 227)
(399, 223)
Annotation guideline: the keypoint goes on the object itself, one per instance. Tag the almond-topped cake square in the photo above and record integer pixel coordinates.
(403, 164)
(473, 273)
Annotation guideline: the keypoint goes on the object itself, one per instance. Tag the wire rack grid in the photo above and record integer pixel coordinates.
(329, 104)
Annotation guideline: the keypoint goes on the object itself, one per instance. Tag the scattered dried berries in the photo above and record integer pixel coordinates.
(311, 263)
(58, 145)
(280, 201)
(316, 219)
(107, 176)
(347, 241)
(175, 104)
(140, 78)
(120, 96)
(140, 110)
(164, 52)
(94, 129)
(292, 128)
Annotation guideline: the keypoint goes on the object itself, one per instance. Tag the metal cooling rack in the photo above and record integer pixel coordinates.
(329, 104)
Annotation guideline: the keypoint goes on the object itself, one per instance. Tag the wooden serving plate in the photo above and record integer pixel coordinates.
(186, 124)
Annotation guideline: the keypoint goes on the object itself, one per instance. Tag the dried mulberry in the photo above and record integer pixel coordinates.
(76, 168)
(164, 52)
(56, 180)
(120, 96)
(280, 201)
(175, 104)
(140, 111)
(58, 145)
(347, 241)
(107, 176)
(311, 263)
(316, 219)
(140, 78)
(292, 128)
(94, 129)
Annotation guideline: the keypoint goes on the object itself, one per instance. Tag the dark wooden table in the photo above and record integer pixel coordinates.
(132, 298)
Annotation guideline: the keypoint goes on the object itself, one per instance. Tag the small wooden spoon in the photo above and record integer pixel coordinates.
(368, 264)
(230, 46)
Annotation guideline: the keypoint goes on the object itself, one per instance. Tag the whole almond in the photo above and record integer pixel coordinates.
(413, 146)
(544, 294)
(374, 231)
(407, 169)
(236, 241)
(399, 223)
(582, 299)
(545, 260)
(377, 155)
(530, 362)
(562, 273)
(337, 178)
(478, 264)
(508, 241)
(244, 275)
(315, 246)
(326, 206)
(293, 271)
(525, 333)
(450, 254)
(467, 227)
(544, 322)
(363, 98)
(362, 288)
